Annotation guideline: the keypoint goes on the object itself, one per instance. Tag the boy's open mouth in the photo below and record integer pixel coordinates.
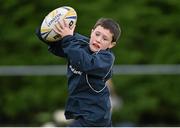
(96, 45)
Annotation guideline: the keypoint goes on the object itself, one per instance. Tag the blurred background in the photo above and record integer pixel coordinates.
(150, 36)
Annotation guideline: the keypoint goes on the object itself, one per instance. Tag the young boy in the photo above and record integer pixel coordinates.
(90, 63)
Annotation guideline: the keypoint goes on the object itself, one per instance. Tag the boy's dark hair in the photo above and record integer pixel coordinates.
(110, 24)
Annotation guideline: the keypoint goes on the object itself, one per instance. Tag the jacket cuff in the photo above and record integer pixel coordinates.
(67, 39)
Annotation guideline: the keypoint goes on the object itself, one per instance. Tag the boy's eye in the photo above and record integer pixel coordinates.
(105, 39)
(97, 34)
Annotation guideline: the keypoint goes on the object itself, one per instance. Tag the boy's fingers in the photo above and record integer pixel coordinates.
(65, 23)
(73, 27)
(57, 29)
(61, 25)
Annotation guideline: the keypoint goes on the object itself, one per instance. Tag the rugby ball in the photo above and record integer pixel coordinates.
(67, 13)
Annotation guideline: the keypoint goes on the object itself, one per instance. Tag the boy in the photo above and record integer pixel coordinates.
(90, 64)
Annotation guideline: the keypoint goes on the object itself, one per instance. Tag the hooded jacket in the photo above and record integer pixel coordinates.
(87, 72)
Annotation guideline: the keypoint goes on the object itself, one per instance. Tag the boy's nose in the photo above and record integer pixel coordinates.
(98, 39)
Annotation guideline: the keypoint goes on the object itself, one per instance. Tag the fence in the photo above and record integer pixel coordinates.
(61, 70)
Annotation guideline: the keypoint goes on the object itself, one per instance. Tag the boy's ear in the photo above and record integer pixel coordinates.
(112, 44)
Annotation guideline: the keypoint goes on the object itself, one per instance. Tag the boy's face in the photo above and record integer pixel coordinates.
(100, 39)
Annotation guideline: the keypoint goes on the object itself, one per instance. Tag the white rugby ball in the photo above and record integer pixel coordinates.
(67, 13)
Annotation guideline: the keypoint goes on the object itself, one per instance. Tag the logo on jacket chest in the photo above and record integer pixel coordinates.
(74, 70)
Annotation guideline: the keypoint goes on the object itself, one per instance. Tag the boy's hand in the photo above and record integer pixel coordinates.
(63, 29)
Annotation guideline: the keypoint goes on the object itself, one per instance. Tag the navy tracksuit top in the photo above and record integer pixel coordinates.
(87, 72)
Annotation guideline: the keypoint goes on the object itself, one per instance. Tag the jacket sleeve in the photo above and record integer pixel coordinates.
(99, 64)
(53, 47)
